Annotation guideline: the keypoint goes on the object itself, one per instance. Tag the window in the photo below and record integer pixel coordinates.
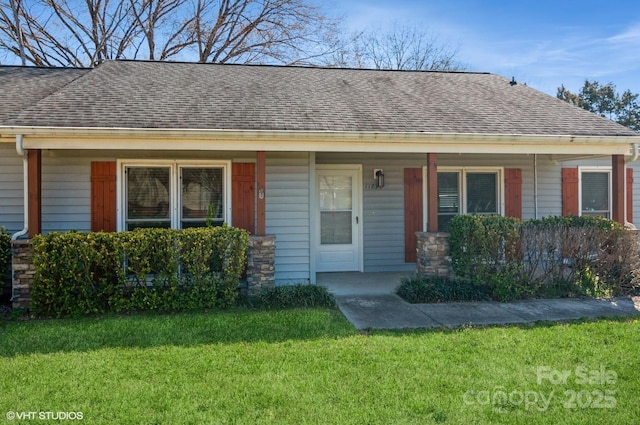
(468, 191)
(202, 196)
(173, 194)
(148, 196)
(595, 189)
(448, 198)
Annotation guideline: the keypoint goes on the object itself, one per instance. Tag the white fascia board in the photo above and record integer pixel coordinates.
(318, 141)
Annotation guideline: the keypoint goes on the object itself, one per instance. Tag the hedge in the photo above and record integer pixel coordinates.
(5, 248)
(434, 289)
(565, 256)
(145, 269)
(5, 256)
(295, 296)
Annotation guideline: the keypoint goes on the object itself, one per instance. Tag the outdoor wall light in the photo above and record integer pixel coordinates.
(378, 175)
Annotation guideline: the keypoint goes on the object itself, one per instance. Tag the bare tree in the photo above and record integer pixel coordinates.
(404, 47)
(164, 27)
(67, 33)
(281, 31)
(86, 33)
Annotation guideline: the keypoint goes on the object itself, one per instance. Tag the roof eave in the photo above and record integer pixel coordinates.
(315, 141)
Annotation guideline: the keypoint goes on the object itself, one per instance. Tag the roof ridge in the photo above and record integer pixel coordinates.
(320, 67)
(46, 67)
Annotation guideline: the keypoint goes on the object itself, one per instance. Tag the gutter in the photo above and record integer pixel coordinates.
(25, 169)
(353, 136)
(317, 141)
(535, 186)
(25, 180)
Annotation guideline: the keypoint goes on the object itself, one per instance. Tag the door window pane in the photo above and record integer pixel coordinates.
(482, 189)
(201, 196)
(335, 227)
(595, 194)
(335, 193)
(148, 197)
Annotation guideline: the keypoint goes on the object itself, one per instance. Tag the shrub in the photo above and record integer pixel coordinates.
(426, 289)
(5, 259)
(566, 256)
(146, 269)
(296, 296)
(486, 251)
(590, 256)
(5, 249)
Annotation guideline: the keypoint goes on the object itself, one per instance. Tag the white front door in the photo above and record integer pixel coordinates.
(338, 230)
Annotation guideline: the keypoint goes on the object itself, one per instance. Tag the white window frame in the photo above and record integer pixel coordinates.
(174, 182)
(596, 169)
(462, 187)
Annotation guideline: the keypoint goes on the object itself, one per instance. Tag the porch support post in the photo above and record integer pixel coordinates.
(34, 192)
(617, 185)
(432, 192)
(261, 177)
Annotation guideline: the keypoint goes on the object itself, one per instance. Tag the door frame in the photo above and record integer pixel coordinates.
(315, 213)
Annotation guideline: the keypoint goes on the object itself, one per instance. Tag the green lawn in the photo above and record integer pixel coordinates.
(312, 367)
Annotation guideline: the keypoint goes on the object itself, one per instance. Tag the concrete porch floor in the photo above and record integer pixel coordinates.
(357, 283)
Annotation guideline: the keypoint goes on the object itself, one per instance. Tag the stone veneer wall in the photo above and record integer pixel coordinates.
(433, 258)
(23, 271)
(261, 263)
(260, 267)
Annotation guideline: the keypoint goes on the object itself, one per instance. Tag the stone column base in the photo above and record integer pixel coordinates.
(433, 257)
(22, 274)
(261, 263)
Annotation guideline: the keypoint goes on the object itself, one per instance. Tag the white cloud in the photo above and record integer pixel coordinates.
(541, 54)
(630, 36)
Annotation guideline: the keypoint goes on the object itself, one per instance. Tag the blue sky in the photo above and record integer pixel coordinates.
(542, 43)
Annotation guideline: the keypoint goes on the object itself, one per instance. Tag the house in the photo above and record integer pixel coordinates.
(341, 166)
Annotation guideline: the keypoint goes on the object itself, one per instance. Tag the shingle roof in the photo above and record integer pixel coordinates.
(21, 87)
(133, 94)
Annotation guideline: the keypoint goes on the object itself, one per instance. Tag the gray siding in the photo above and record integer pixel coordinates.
(66, 198)
(384, 209)
(66, 194)
(546, 195)
(287, 194)
(11, 188)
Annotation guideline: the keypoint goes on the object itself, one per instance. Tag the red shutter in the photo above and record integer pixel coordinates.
(34, 182)
(513, 192)
(412, 211)
(570, 191)
(630, 195)
(103, 196)
(243, 178)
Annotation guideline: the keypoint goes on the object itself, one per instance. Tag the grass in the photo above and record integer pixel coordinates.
(311, 366)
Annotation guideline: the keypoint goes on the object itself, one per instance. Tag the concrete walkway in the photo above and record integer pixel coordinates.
(368, 301)
(392, 312)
